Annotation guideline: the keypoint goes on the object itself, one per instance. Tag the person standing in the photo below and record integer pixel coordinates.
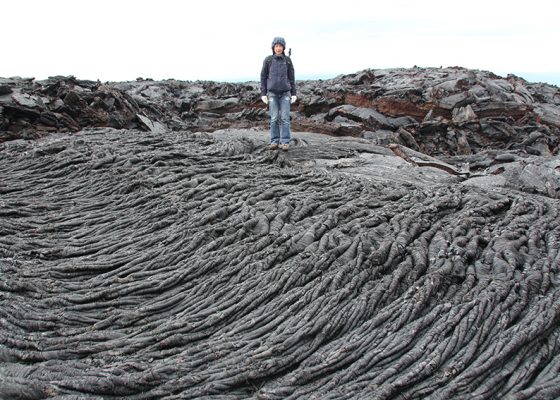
(278, 90)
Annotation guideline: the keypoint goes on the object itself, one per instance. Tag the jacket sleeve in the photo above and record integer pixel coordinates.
(264, 77)
(292, 78)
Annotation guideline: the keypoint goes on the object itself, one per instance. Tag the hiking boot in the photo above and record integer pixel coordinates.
(285, 146)
(273, 146)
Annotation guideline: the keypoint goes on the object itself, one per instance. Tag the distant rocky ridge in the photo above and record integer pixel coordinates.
(438, 111)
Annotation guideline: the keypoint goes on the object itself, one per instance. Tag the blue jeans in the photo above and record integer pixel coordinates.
(279, 107)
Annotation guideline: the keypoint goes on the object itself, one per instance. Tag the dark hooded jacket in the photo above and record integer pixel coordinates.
(277, 73)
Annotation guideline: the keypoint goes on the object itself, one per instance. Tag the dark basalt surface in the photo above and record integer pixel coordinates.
(152, 253)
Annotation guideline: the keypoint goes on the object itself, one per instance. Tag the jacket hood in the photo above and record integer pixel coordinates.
(278, 40)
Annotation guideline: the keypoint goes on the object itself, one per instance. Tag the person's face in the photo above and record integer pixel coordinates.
(278, 48)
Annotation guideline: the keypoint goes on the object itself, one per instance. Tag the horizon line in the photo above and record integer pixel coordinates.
(550, 78)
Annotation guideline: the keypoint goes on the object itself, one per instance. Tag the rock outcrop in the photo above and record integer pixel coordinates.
(448, 111)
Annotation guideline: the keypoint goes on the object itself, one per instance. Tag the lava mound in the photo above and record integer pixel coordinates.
(186, 265)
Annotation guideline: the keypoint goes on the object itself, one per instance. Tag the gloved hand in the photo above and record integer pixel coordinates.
(265, 99)
(293, 100)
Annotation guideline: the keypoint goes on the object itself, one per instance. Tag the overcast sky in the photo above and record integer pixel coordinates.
(226, 40)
